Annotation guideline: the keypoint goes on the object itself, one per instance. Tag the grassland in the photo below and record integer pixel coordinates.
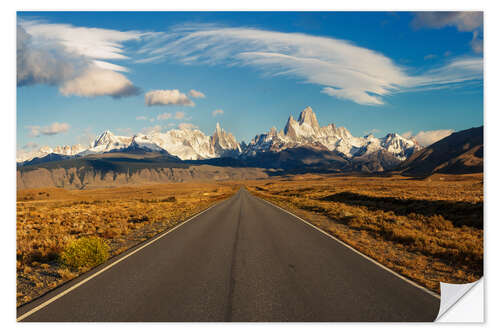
(48, 220)
(428, 230)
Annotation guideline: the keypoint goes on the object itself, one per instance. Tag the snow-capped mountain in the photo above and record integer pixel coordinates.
(107, 141)
(185, 143)
(306, 132)
(193, 144)
(46, 150)
(224, 143)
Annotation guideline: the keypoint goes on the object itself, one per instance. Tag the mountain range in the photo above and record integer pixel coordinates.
(301, 147)
(367, 153)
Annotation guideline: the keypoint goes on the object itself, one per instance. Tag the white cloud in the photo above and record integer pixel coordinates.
(180, 115)
(108, 65)
(30, 145)
(72, 58)
(52, 129)
(217, 112)
(196, 94)
(343, 69)
(426, 138)
(407, 134)
(187, 126)
(463, 21)
(430, 56)
(99, 82)
(141, 118)
(167, 97)
(152, 129)
(164, 116)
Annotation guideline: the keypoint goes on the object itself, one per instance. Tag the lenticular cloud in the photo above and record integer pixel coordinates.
(344, 70)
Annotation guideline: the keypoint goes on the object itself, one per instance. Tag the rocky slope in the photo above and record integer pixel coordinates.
(459, 153)
(118, 169)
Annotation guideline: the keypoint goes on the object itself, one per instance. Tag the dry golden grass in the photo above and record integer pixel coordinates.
(49, 219)
(429, 230)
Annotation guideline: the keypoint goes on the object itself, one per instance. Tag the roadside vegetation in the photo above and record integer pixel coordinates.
(63, 233)
(429, 230)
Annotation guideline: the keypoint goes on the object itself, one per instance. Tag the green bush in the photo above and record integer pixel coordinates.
(85, 252)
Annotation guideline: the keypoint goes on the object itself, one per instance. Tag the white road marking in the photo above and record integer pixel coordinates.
(47, 302)
(430, 292)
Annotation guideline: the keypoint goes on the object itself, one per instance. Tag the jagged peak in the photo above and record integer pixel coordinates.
(104, 137)
(289, 124)
(308, 116)
(273, 131)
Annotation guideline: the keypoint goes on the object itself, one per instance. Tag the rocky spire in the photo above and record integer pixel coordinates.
(308, 116)
(289, 127)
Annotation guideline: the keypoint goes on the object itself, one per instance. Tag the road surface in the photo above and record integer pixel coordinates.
(242, 260)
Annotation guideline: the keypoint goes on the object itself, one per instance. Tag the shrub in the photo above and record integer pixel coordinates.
(85, 252)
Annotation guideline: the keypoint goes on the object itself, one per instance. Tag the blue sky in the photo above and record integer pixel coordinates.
(82, 73)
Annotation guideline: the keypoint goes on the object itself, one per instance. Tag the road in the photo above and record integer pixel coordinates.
(242, 260)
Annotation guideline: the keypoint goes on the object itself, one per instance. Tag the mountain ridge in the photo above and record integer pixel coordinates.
(190, 144)
(459, 153)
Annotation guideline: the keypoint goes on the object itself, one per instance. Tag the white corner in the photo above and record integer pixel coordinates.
(462, 303)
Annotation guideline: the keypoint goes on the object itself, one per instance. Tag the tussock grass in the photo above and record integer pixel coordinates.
(429, 230)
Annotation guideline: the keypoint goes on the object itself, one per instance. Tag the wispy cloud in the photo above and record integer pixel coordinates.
(196, 94)
(52, 129)
(94, 43)
(187, 126)
(141, 118)
(457, 71)
(167, 97)
(343, 69)
(179, 115)
(217, 112)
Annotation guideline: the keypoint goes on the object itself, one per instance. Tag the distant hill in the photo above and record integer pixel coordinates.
(459, 153)
(124, 168)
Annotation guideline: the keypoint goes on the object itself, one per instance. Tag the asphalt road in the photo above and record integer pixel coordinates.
(242, 260)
